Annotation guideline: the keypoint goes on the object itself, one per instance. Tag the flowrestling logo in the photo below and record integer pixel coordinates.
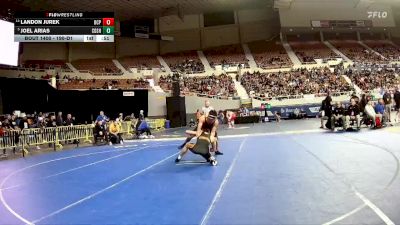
(377, 14)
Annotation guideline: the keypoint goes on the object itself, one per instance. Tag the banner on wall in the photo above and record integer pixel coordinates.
(311, 110)
(287, 111)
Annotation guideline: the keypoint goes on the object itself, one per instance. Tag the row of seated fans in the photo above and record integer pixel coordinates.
(96, 66)
(386, 49)
(355, 51)
(184, 62)
(270, 54)
(375, 76)
(124, 84)
(295, 82)
(308, 47)
(308, 52)
(44, 64)
(221, 86)
(230, 55)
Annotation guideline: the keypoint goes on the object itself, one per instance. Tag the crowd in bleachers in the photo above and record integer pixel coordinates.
(230, 55)
(387, 50)
(295, 82)
(269, 55)
(211, 86)
(356, 52)
(308, 52)
(374, 76)
(140, 62)
(184, 62)
(97, 66)
(107, 84)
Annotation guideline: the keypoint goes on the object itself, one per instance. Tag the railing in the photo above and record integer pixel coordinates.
(100, 73)
(286, 97)
(55, 136)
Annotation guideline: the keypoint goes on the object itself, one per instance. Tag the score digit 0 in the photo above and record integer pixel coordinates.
(108, 21)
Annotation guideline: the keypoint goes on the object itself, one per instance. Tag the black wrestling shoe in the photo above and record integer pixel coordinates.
(218, 153)
(213, 162)
(177, 160)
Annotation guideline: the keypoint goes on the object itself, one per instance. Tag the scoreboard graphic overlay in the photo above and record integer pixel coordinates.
(64, 27)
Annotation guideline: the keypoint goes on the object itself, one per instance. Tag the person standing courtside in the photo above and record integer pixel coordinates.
(387, 99)
(207, 108)
(396, 99)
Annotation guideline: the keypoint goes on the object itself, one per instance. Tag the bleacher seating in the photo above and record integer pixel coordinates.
(124, 84)
(389, 51)
(184, 62)
(226, 55)
(44, 64)
(356, 52)
(269, 55)
(296, 82)
(370, 77)
(210, 86)
(96, 66)
(140, 62)
(309, 47)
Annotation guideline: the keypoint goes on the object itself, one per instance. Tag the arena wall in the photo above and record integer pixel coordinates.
(183, 40)
(91, 50)
(45, 51)
(188, 34)
(301, 13)
(157, 104)
(136, 46)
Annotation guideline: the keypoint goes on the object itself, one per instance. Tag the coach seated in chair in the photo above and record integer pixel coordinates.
(337, 116)
(100, 132)
(380, 110)
(353, 115)
(115, 133)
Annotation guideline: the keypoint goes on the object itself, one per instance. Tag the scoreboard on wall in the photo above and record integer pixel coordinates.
(64, 27)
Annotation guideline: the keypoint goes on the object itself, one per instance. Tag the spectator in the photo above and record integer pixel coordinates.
(115, 132)
(59, 120)
(52, 121)
(370, 113)
(23, 122)
(69, 121)
(101, 117)
(41, 122)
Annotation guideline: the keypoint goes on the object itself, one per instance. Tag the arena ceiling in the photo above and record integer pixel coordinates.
(346, 3)
(127, 9)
